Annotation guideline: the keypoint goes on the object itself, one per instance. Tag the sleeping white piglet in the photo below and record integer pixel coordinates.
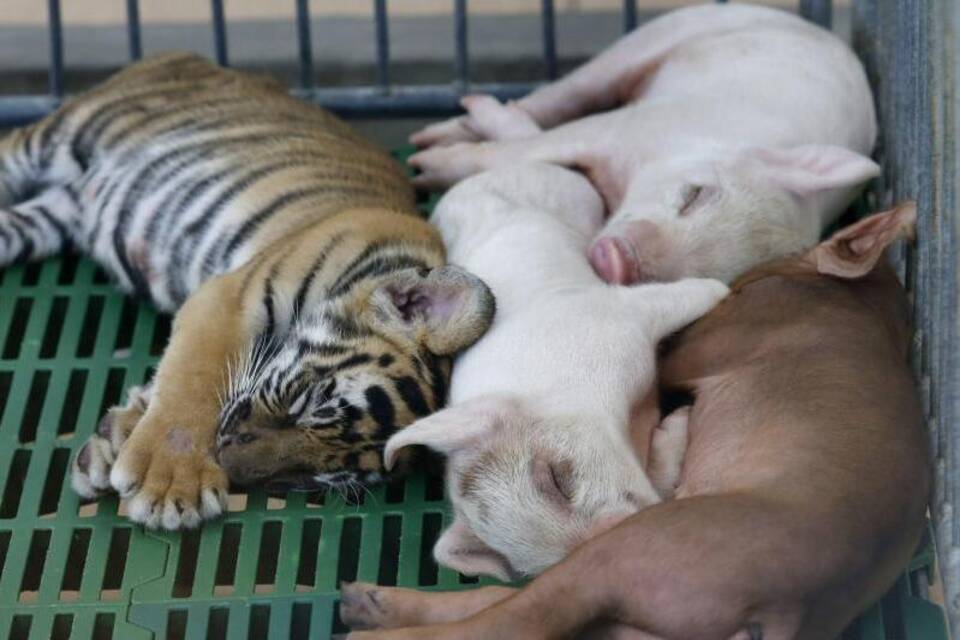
(537, 434)
(736, 135)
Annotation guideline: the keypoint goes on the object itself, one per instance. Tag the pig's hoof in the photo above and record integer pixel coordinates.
(360, 606)
(493, 120)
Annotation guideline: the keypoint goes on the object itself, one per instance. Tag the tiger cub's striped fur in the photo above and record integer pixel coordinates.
(314, 316)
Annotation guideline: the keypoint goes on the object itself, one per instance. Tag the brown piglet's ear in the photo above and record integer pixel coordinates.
(853, 251)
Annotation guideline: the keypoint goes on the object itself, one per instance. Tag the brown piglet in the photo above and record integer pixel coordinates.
(803, 492)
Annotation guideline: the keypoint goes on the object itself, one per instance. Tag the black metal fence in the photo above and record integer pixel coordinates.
(381, 99)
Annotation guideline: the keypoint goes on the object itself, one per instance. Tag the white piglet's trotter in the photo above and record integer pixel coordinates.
(538, 435)
(737, 134)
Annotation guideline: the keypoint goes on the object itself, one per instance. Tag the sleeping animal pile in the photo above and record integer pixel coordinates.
(732, 137)
(316, 318)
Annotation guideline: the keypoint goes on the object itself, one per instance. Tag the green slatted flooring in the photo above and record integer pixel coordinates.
(69, 345)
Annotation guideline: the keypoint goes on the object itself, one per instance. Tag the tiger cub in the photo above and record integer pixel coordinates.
(314, 316)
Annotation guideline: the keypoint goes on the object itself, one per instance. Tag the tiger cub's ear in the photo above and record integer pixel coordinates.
(446, 308)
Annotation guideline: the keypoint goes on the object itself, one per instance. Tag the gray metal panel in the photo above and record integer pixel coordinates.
(911, 53)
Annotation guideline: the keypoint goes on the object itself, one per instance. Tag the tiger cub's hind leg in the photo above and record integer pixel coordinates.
(90, 469)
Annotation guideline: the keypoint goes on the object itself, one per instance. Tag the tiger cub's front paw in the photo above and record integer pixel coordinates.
(169, 476)
(90, 470)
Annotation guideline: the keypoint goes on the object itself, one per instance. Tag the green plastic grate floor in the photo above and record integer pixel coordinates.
(69, 346)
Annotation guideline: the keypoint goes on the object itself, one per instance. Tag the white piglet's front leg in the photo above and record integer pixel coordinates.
(486, 119)
(577, 144)
(667, 308)
(667, 449)
(495, 120)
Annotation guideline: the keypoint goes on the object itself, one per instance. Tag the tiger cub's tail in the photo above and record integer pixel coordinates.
(39, 211)
(40, 227)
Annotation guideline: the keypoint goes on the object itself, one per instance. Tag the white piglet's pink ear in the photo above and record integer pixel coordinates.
(459, 549)
(811, 168)
(452, 429)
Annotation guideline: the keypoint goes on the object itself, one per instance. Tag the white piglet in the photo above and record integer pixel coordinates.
(730, 135)
(538, 432)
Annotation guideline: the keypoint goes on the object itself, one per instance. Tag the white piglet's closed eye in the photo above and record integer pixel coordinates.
(694, 196)
(554, 480)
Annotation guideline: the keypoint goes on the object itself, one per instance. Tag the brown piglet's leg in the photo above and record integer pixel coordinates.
(680, 569)
(369, 606)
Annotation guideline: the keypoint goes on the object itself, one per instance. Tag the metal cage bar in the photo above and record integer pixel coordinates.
(383, 43)
(548, 16)
(462, 64)
(629, 15)
(133, 29)
(56, 48)
(219, 32)
(819, 11)
(304, 44)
